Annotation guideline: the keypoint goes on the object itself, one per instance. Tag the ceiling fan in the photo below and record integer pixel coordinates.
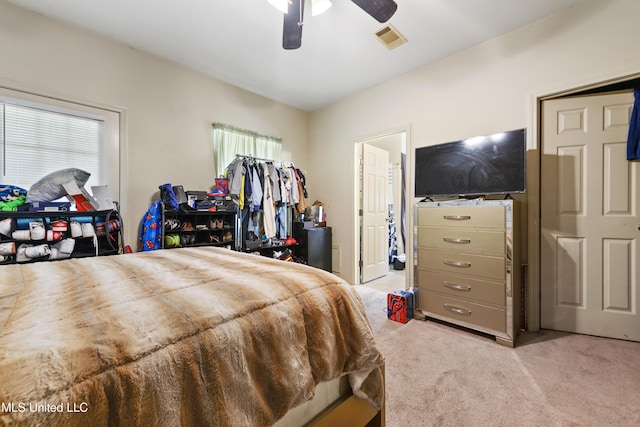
(380, 10)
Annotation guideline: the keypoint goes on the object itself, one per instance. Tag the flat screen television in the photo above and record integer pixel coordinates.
(484, 165)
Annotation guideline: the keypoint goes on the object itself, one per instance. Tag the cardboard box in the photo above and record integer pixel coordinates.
(400, 306)
(49, 206)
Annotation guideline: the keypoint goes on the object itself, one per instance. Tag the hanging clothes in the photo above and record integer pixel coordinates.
(301, 205)
(285, 186)
(281, 221)
(303, 180)
(248, 190)
(295, 195)
(256, 198)
(235, 170)
(264, 193)
(275, 183)
(268, 205)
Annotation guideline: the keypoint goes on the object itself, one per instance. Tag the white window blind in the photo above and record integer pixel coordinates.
(36, 140)
(229, 141)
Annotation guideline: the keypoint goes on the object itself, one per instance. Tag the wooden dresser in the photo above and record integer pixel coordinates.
(467, 265)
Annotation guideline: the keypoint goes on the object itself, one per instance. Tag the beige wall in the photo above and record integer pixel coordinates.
(485, 89)
(168, 110)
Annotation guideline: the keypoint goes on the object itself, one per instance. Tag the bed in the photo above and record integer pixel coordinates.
(194, 336)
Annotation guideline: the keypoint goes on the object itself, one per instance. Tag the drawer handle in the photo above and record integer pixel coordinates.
(457, 217)
(457, 310)
(456, 240)
(457, 287)
(460, 264)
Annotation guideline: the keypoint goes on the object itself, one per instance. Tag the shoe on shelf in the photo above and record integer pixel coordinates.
(8, 248)
(87, 230)
(59, 225)
(171, 224)
(172, 240)
(53, 235)
(21, 235)
(187, 226)
(228, 236)
(63, 249)
(37, 251)
(36, 230)
(76, 229)
(20, 253)
(214, 239)
(286, 255)
(66, 246)
(5, 227)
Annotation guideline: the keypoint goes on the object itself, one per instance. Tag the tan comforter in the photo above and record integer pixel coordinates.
(200, 336)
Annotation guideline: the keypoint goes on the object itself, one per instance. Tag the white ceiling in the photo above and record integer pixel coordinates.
(240, 41)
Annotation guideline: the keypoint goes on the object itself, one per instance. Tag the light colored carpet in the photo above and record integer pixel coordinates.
(440, 375)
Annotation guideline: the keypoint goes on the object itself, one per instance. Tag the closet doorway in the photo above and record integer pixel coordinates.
(544, 295)
(394, 257)
(589, 217)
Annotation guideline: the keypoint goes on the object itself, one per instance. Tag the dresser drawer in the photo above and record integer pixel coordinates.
(460, 286)
(463, 216)
(462, 239)
(462, 311)
(489, 267)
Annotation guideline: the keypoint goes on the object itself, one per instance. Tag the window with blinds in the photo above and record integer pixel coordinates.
(35, 141)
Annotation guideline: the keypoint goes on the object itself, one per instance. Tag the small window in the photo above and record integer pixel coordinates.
(229, 142)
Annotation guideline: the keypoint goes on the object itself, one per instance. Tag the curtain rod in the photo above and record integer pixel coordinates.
(261, 159)
(222, 126)
(282, 162)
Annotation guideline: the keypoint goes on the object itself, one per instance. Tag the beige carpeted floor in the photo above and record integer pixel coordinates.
(440, 375)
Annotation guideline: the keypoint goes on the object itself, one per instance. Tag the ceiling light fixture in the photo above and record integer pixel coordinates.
(281, 5)
(380, 10)
(319, 6)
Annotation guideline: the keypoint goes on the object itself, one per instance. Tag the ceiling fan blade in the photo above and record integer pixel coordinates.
(292, 28)
(381, 10)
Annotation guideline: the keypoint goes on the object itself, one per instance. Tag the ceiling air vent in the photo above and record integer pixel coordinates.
(390, 37)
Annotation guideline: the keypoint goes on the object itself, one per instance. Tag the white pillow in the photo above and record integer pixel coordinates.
(50, 187)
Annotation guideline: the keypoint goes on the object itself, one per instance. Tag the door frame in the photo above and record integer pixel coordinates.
(534, 153)
(357, 150)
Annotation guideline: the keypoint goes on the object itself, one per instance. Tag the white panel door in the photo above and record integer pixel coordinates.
(589, 218)
(375, 233)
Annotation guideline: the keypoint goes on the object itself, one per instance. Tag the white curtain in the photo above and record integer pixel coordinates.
(229, 141)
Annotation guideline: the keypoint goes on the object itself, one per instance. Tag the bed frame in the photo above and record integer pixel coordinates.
(350, 411)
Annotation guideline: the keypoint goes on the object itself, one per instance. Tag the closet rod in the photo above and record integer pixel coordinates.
(261, 159)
